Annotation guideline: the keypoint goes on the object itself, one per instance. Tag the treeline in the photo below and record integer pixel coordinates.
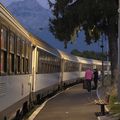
(90, 54)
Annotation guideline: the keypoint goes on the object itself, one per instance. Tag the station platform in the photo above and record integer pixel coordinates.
(74, 103)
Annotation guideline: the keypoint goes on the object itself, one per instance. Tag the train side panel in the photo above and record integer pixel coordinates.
(47, 83)
(71, 76)
(13, 89)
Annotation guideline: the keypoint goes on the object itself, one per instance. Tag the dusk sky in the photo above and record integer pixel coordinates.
(44, 3)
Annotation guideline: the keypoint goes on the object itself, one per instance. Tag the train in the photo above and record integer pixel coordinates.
(31, 69)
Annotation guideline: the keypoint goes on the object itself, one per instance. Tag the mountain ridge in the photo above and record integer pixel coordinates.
(32, 15)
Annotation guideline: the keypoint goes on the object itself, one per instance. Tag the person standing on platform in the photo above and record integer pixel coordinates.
(88, 78)
(95, 78)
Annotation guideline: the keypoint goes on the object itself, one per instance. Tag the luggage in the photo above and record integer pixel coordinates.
(84, 84)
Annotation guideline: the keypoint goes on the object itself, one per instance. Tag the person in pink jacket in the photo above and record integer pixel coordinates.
(88, 78)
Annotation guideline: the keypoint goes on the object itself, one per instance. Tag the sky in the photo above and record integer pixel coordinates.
(43, 3)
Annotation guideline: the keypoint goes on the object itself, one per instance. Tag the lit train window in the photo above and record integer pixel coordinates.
(3, 58)
(11, 52)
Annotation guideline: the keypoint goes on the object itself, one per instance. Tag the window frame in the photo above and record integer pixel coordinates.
(4, 51)
(11, 53)
(18, 55)
(47, 62)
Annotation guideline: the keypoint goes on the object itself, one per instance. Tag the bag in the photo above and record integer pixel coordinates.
(84, 84)
(92, 84)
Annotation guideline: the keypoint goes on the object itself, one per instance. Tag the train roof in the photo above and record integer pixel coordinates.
(82, 60)
(67, 56)
(45, 46)
(93, 61)
(89, 61)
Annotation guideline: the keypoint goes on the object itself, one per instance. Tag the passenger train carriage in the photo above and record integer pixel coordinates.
(70, 68)
(30, 69)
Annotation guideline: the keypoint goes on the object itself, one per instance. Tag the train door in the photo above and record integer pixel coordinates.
(33, 67)
(33, 73)
(61, 72)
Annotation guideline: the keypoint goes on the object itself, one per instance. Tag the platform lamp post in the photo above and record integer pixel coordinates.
(102, 73)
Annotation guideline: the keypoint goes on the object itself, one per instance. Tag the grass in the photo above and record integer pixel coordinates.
(114, 108)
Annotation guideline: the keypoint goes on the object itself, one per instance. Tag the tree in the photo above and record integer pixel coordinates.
(90, 54)
(96, 17)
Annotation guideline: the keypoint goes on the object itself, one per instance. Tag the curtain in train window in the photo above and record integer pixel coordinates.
(11, 53)
(3, 57)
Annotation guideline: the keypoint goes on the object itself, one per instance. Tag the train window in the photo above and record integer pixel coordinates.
(22, 65)
(105, 67)
(46, 62)
(40, 62)
(23, 48)
(12, 41)
(18, 64)
(23, 56)
(3, 62)
(27, 67)
(70, 66)
(18, 46)
(27, 50)
(3, 58)
(3, 38)
(11, 53)
(18, 55)
(46, 68)
(99, 67)
(86, 66)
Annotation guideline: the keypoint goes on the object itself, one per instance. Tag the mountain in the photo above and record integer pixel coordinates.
(35, 19)
(30, 14)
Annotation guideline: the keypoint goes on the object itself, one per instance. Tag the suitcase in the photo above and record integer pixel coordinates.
(84, 84)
